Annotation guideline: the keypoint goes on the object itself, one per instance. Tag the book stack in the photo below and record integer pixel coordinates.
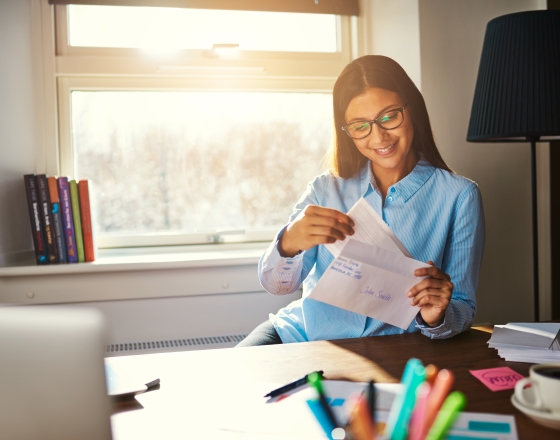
(61, 220)
(534, 342)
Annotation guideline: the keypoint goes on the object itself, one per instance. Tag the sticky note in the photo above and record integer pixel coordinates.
(497, 379)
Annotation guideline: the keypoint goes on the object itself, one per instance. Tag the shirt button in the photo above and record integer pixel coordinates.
(393, 190)
(390, 199)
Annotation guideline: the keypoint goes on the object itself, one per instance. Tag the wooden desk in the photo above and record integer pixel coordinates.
(379, 358)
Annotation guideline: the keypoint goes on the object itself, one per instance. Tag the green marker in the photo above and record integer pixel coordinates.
(314, 379)
(449, 411)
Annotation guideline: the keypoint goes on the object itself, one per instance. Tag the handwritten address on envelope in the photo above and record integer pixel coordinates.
(371, 281)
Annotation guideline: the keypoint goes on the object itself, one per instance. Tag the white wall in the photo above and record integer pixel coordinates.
(392, 28)
(19, 125)
(449, 39)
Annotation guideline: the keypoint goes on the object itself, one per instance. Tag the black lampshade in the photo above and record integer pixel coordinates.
(517, 95)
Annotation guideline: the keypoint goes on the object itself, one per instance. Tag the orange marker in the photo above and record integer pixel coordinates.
(441, 388)
(361, 425)
(431, 373)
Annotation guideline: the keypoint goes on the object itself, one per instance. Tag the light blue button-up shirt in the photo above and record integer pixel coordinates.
(437, 215)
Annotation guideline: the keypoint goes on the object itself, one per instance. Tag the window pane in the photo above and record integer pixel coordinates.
(170, 161)
(170, 28)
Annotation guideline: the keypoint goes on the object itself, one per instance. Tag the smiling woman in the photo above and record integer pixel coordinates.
(385, 153)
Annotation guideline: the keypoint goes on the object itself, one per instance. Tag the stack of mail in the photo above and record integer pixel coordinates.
(534, 342)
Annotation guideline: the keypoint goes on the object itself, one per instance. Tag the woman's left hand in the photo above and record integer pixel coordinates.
(432, 294)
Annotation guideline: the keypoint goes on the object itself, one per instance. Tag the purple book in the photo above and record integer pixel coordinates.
(67, 219)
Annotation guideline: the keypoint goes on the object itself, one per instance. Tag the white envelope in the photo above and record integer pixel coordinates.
(371, 281)
(369, 228)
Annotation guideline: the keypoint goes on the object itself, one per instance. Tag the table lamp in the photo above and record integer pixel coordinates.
(517, 94)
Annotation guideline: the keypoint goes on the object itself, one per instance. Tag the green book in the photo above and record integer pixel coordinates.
(75, 198)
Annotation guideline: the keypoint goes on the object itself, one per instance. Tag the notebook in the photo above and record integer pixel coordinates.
(52, 374)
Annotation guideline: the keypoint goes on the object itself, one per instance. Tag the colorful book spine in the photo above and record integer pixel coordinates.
(77, 220)
(67, 220)
(35, 217)
(87, 225)
(57, 219)
(46, 218)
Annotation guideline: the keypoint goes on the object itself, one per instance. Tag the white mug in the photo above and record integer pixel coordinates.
(545, 383)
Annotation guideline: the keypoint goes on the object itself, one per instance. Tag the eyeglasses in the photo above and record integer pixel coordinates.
(387, 121)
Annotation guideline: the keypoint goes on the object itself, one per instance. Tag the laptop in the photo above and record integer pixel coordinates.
(52, 377)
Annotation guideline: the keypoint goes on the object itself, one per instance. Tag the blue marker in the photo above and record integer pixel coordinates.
(414, 375)
(319, 413)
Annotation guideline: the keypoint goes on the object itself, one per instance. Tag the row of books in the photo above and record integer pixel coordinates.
(61, 220)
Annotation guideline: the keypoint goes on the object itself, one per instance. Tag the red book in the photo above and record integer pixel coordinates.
(87, 226)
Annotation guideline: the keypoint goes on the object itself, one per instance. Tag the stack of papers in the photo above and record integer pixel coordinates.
(534, 342)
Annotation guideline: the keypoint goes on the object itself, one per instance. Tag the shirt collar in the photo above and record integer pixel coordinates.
(405, 187)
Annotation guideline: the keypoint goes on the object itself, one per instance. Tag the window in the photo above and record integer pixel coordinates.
(195, 125)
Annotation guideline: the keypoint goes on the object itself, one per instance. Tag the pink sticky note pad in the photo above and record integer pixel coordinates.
(497, 379)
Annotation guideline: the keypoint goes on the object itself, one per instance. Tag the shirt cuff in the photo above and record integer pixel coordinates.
(443, 330)
(274, 260)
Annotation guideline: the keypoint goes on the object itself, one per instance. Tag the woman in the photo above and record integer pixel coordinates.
(384, 151)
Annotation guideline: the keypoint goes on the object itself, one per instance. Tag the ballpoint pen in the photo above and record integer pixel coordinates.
(370, 394)
(291, 386)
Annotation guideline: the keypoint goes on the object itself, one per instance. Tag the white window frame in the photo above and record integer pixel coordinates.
(85, 68)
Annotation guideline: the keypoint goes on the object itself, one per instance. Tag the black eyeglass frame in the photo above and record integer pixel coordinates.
(374, 121)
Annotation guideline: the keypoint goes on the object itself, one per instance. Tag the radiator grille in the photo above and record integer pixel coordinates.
(174, 344)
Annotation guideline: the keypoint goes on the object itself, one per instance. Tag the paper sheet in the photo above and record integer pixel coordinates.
(247, 415)
(371, 229)
(371, 281)
(243, 413)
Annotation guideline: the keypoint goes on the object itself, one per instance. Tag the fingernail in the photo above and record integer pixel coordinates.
(409, 293)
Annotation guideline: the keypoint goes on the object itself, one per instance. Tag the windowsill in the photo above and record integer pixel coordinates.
(155, 258)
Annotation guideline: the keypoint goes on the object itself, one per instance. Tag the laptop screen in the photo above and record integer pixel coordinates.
(52, 374)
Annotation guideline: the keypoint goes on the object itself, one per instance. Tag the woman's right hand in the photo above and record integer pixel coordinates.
(314, 225)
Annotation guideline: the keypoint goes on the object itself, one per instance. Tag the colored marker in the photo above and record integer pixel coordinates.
(315, 380)
(417, 421)
(449, 411)
(397, 424)
(397, 403)
(431, 373)
(291, 386)
(321, 416)
(361, 425)
(440, 390)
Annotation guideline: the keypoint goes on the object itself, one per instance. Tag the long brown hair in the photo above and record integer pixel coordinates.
(376, 71)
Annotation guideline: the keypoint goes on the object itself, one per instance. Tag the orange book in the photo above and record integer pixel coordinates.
(87, 225)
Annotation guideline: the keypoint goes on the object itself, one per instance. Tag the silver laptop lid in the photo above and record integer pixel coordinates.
(52, 380)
